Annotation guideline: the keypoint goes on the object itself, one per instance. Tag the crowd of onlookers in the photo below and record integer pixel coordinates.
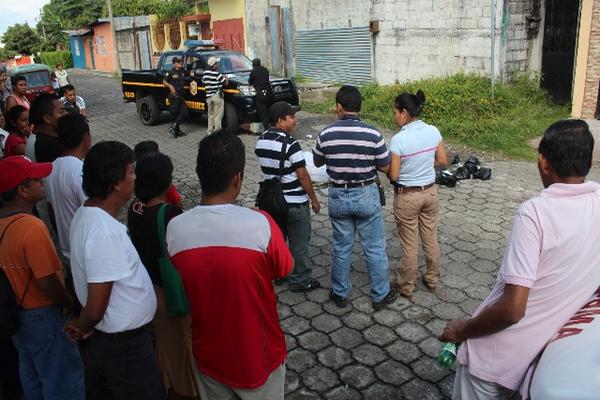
(183, 303)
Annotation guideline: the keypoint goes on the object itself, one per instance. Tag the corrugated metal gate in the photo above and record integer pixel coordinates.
(334, 55)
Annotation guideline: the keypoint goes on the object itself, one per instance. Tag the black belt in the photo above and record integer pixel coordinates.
(407, 189)
(123, 335)
(297, 205)
(350, 185)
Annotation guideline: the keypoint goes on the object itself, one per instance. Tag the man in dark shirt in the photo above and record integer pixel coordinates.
(259, 78)
(45, 111)
(175, 80)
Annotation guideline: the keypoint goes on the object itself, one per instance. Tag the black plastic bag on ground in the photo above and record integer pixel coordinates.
(445, 178)
(461, 173)
(472, 164)
(483, 173)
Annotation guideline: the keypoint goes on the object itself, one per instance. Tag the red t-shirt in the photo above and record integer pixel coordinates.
(11, 141)
(173, 196)
(227, 257)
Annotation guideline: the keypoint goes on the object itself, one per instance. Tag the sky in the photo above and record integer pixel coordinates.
(19, 11)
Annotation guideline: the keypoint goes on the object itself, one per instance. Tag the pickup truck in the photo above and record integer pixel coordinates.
(146, 89)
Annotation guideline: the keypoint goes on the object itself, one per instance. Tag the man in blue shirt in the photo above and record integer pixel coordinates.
(353, 153)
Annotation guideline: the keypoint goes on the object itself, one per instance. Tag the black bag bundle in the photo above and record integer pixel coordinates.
(483, 173)
(270, 194)
(461, 173)
(445, 178)
(472, 164)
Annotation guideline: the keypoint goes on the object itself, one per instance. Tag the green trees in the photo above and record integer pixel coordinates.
(60, 15)
(20, 38)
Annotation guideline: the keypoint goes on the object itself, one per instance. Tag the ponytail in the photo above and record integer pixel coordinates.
(412, 103)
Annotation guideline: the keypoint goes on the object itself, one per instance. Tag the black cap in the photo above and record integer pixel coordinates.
(256, 62)
(177, 60)
(280, 109)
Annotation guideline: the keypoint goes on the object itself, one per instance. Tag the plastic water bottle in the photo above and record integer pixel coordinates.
(447, 355)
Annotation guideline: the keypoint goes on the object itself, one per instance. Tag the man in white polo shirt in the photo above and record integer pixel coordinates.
(111, 282)
(551, 268)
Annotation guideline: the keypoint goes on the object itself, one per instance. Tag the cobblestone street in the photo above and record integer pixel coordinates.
(354, 352)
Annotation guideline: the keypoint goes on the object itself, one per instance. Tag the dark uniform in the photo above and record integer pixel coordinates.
(259, 78)
(177, 107)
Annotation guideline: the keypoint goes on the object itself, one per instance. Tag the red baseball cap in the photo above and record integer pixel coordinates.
(16, 169)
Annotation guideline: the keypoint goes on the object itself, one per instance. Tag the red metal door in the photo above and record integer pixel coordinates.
(230, 31)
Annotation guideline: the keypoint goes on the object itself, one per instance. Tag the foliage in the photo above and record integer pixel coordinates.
(130, 8)
(59, 15)
(51, 58)
(6, 54)
(21, 38)
(462, 108)
(173, 9)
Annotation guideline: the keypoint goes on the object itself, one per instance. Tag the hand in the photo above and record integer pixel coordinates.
(174, 93)
(75, 333)
(453, 332)
(315, 206)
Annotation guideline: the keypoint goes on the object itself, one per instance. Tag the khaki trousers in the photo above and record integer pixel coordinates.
(216, 106)
(416, 214)
(273, 388)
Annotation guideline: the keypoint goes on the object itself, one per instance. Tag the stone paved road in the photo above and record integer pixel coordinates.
(356, 353)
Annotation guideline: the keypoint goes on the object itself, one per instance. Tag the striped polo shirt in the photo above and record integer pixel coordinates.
(351, 150)
(268, 151)
(213, 80)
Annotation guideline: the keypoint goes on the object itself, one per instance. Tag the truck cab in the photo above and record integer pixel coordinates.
(146, 89)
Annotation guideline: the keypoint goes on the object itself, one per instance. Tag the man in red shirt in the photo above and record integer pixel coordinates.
(228, 256)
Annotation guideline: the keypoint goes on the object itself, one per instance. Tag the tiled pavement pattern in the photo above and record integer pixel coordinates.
(354, 352)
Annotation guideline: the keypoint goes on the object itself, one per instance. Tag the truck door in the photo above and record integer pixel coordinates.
(195, 93)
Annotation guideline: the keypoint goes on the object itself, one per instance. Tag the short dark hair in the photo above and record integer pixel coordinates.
(144, 148)
(349, 98)
(12, 115)
(221, 156)
(68, 88)
(104, 166)
(72, 128)
(153, 176)
(41, 106)
(256, 62)
(568, 146)
(412, 103)
(17, 78)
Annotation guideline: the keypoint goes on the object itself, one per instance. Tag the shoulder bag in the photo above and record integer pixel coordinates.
(177, 303)
(270, 196)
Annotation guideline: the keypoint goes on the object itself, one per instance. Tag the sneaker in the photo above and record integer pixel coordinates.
(309, 285)
(388, 299)
(338, 300)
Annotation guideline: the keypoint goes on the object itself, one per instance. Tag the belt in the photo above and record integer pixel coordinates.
(410, 189)
(123, 335)
(297, 205)
(350, 185)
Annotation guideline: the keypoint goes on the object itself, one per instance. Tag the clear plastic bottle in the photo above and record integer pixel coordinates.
(447, 355)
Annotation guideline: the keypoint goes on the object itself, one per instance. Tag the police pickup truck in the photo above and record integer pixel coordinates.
(146, 89)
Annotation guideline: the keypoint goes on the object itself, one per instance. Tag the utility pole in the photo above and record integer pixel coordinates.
(114, 35)
(42, 24)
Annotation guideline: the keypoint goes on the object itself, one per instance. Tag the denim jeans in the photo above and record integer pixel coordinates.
(298, 230)
(50, 366)
(358, 210)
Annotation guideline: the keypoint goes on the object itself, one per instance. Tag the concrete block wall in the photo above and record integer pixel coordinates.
(592, 78)
(514, 31)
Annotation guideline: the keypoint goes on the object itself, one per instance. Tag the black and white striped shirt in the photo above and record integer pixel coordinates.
(268, 151)
(213, 80)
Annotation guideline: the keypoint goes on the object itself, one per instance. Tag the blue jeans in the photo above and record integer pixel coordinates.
(50, 366)
(358, 210)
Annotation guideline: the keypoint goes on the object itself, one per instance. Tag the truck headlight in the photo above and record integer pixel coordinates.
(247, 90)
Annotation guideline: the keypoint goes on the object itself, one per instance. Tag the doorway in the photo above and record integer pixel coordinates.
(558, 51)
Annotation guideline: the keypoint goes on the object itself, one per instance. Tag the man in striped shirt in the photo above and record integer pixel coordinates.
(353, 153)
(214, 81)
(297, 189)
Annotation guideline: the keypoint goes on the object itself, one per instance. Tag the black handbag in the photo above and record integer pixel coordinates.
(270, 196)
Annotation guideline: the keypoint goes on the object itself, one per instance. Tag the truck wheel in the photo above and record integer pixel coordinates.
(231, 118)
(148, 110)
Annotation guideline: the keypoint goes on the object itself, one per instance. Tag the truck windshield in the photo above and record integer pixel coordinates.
(234, 62)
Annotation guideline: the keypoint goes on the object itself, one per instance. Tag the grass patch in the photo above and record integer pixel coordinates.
(462, 108)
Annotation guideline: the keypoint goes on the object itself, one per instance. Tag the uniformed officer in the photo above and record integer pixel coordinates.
(175, 80)
(259, 78)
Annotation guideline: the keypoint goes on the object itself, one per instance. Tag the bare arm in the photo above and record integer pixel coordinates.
(10, 102)
(18, 150)
(307, 185)
(384, 168)
(394, 171)
(170, 87)
(506, 311)
(55, 291)
(441, 156)
(92, 313)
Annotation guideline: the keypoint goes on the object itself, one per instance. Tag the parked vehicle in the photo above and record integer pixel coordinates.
(38, 79)
(146, 89)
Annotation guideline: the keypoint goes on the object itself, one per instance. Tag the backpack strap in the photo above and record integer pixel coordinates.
(282, 155)
(30, 272)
